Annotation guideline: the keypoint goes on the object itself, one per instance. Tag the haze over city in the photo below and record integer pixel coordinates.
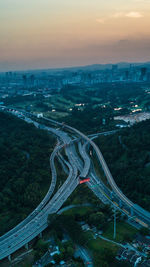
(49, 34)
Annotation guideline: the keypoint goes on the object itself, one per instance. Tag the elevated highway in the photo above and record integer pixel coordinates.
(36, 222)
(77, 166)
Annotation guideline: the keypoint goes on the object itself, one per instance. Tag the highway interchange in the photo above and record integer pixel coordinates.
(78, 163)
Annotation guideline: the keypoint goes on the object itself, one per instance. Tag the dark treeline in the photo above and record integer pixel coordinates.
(90, 120)
(114, 93)
(24, 169)
(127, 154)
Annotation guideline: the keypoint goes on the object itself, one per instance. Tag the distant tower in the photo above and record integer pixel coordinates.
(127, 75)
(114, 68)
(143, 73)
(32, 79)
(24, 79)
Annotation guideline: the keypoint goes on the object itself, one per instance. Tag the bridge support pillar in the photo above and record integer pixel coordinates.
(120, 203)
(27, 246)
(82, 141)
(40, 235)
(111, 195)
(88, 146)
(9, 258)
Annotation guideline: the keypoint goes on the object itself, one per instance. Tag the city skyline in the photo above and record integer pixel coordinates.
(53, 34)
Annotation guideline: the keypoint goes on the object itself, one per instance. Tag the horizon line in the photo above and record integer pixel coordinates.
(75, 66)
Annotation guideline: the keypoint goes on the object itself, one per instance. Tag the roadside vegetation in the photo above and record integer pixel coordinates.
(24, 169)
(127, 154)
(99, 219)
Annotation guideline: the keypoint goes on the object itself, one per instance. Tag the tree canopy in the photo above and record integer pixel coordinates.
(24, 169)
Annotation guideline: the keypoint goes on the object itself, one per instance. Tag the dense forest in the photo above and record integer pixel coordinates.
(127, 154)
(24, 169)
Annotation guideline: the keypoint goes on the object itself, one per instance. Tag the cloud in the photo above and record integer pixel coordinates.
(131, 14)
(134, 15)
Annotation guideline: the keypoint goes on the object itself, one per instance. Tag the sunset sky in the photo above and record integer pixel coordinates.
(58, 33)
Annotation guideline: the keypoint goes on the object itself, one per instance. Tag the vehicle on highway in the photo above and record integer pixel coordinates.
(85, 180)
